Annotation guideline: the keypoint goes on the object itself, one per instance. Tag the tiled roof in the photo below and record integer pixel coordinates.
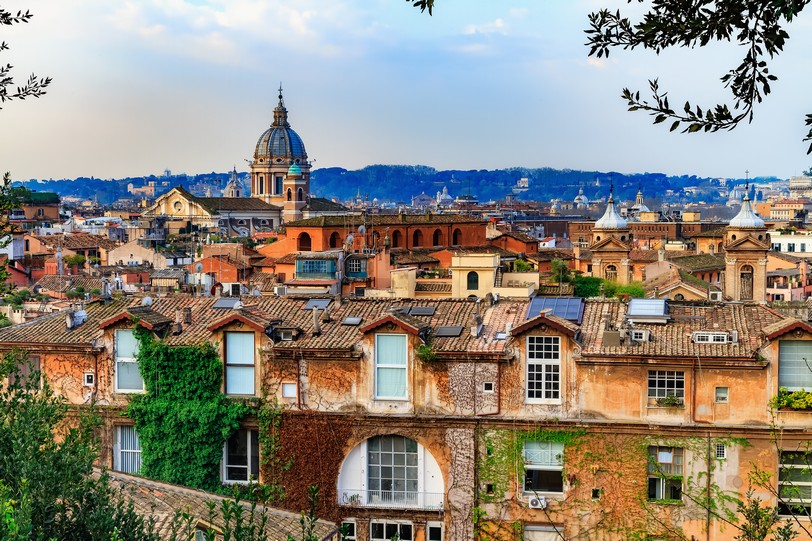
(374, 220)
(263, 280)
(76, 241)
(434, 287)
(320, 204)
(414, 258)
(160, 501)
(673, 277)
(65, 282)
(719, 232)
(288, 259)
(548, 254)
(556, 290)
(699, 262)
(520, 236)
(168, 273)
(217, 204)
(290, 311)
(675, 338)
(785, 257)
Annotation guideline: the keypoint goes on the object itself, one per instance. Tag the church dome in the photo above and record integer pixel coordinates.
(746, 216)
(294, 170)
(279, 143)
(611, 219)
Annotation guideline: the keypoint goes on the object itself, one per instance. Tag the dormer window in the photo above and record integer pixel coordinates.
(705, 337)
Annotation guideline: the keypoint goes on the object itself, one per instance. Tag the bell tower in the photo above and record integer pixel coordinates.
(611, 244)
(746, 245)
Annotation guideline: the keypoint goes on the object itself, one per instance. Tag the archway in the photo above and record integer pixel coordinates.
(746, 283)
(456, 237)
(437, 238)
(300, 195)
(611, 273)
(397, 239)
(473, 281)
(290, 195)
(305, 244)
(417, 239)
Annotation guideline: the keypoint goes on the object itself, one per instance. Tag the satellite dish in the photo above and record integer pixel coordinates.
(146, 301)
(350, 239)
(199, 267)
(362, 229)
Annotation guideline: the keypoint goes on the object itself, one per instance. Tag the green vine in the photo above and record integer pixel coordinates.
(273, 464)
(183, 419)
(426, 353)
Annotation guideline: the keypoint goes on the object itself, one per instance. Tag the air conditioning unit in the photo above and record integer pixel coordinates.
(280, 291)
(538, 502)
(715, 296)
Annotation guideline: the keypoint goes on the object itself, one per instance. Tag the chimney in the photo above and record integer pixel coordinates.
(661, 254)
(187, 316)
(326, 317)
(316, 325)
(60, 264)
(178, 316)
(476, 325)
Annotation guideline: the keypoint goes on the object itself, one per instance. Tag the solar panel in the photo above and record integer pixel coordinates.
(422, 310)
(569, 308)
(448, 332)
(225, 303)
(353, 321)
(321, 304)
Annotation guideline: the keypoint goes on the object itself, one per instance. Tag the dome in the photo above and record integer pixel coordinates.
(611, 219)
(294, 170)
(746, 216)
(279, 143)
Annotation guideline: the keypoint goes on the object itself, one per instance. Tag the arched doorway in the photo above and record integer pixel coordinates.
(417, 239)
(472, 281)
(335, 240)
(305, 244)
(456, 237)
(397, 239)
(437, 238)
(611, 273)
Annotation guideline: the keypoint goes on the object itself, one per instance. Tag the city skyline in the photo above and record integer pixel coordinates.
(190, 86)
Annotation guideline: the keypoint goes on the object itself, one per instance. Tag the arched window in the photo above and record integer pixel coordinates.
(300, 195)
(290, 195)
(473, 281)
(304, 244)
(679, 297)
(261, 184)
(746, 283)
(611, 273)
(391, 471)
(437, 238)
(720, 248)
(456, 237)
(335, 240)
(417, 239)
(397, 239)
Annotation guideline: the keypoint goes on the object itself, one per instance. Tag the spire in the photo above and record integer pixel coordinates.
(747, 216)
(280, 114)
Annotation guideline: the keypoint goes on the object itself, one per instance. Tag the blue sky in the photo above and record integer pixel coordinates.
(189, 85)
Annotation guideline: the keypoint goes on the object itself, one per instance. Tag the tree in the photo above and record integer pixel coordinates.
(47, 488)
(34, 87)
(757, 25)
(560, 270)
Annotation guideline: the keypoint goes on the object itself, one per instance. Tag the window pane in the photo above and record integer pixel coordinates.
(126, 344)
(391, 382)
(543, 481)
(794, 364)
(240, 348)
(391, 349)
(239, 380)
(129, 450)
(128, 378)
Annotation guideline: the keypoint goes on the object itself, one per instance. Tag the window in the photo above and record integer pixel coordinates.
(348, 530)
(721, 451)
(473, 281)
(390, 366)
(776, 246)
(385, 530)
(25, 370)
(611, 272)
(720, 395)
(795, 483)
(392, 470)
(288, 390)
(541, 533)
(795, 364)
(665, 473)
(356, 265)
(434, 531)
(128, 378)
(803, 247)
(241, 457)
(487, 387)
(790, 246)
(278, 190)
(239, 363)
(703, 337)
(314, 266)
(640, 335)
(127, 450)
(261, 184)
(543, 368)
(666, 387)
(542, 466)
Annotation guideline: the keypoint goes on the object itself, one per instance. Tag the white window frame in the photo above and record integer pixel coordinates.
(356, 265)
(119, 360)
(240, 364)
(542, 368)
(288, 389)
(705, 337)
(661, 387)
(549, 458)
(640, 335)
(404, 366)
(666, 464)
(432, 525)
(795, 373)
(721, 451)
(721, 397)
(549, 532)
(386, 523)
(247, 467)
(119, 452)
(789, 485)
(354, 535)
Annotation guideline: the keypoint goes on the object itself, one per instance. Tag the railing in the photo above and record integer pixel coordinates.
(393, 499)
(315, 276)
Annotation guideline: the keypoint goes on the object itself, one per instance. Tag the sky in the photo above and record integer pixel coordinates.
(189, 85)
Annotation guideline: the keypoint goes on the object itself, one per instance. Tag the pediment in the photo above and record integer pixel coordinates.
(747, 243)
(610, 244)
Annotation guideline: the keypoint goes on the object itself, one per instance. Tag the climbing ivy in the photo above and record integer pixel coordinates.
(183, 419)
(271, 459)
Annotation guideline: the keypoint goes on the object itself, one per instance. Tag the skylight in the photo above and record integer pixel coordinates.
(422, 310)
(321, 304)
(448, 332)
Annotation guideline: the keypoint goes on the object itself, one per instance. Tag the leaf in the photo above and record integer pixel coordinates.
(675, 125)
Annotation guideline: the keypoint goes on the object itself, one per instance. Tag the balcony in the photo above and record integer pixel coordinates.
(391, 499)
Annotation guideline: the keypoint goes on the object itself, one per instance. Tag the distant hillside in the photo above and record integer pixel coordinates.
(400, 183)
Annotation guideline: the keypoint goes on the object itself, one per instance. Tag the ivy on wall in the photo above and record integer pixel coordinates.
(183, 419)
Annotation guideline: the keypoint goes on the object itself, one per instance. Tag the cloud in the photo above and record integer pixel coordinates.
(496, 27)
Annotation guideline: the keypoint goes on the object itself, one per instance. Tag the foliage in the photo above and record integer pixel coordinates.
(271, 459)
(634, 289)
(183, 419)
(586, 286)
(77, 260)
(426, 353)
(34, 87)
(76, 293)
(17, 297)
(793, 400)
(670, 401)
(523, 266)
(46, 487)
(423, 5)
(757, 26)
(760, 521)
(560, 270)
